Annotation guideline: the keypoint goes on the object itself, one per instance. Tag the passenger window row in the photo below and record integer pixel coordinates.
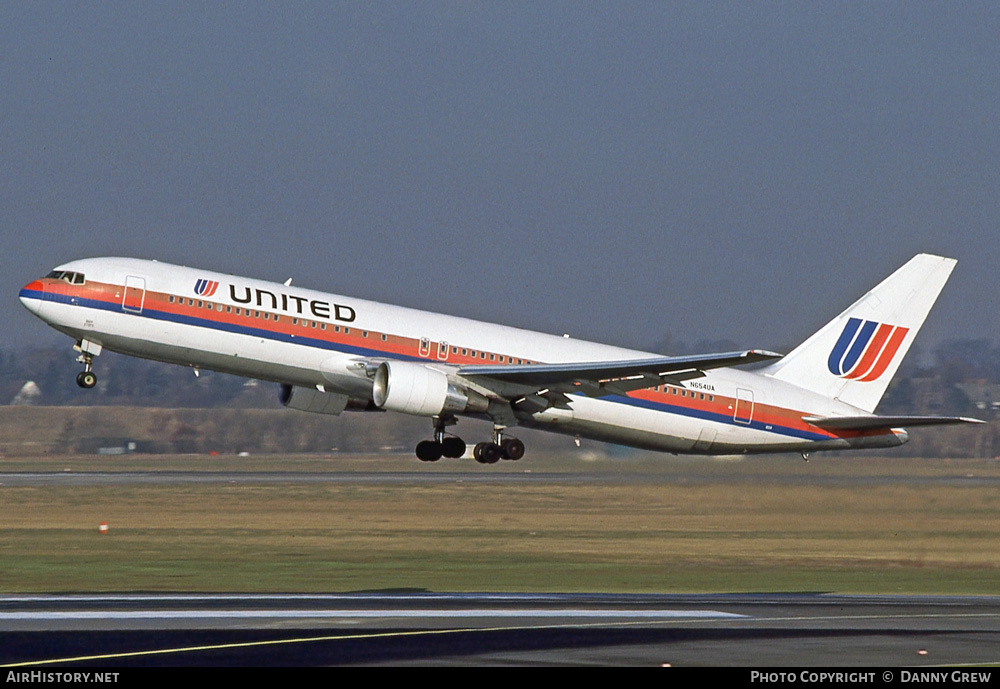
(254, 313)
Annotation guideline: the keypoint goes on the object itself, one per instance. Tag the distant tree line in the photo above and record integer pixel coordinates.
(959, 377)
(126, 381)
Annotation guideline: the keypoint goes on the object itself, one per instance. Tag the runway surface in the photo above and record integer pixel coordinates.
(421, 628)
(399, 628)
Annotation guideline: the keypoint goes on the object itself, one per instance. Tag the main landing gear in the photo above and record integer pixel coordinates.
(489, 452)
(433, 450)
(442, 446)
(500, 448)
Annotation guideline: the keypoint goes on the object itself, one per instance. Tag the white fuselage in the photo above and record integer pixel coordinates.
(315, 340)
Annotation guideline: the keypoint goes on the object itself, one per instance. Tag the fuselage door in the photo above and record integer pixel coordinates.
(135, 294)
(744, 406)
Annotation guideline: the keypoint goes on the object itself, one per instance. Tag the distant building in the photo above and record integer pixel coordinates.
(984, 394)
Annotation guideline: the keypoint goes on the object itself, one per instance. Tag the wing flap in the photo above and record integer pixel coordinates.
(534, 388)
(652, 370)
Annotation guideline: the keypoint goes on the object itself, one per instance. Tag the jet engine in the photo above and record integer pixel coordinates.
(417, 389)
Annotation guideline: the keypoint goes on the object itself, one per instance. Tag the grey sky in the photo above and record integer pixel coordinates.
(613, 170)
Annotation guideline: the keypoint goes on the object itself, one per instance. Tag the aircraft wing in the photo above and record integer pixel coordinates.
(539, 386)
(656, 367)
(868, 423)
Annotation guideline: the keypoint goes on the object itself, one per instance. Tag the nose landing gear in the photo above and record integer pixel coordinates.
(86, 379)
(88, 350)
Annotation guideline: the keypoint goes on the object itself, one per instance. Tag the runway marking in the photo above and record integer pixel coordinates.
(245, 644)
(440, 632)
(304, 640)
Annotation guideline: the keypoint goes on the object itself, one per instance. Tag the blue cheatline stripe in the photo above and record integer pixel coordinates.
(363, 351)
(716, 417)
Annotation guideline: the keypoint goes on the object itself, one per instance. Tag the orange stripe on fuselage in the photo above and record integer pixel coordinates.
(159, 301)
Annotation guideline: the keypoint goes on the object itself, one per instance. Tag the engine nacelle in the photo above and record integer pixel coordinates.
(311, 399)
(423, 391)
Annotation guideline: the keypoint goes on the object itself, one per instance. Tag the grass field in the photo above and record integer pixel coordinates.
(839, 523)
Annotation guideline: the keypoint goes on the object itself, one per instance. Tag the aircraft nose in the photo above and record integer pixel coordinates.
(31, 296)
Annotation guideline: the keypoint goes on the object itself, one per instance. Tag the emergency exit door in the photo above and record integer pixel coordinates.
(744, 406)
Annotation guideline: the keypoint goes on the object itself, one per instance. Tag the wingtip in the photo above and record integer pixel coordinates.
(763, 354)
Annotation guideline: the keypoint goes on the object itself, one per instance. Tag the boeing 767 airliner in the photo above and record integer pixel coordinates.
(332, 353)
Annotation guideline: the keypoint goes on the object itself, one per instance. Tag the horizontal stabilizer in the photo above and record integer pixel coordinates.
(869, 423)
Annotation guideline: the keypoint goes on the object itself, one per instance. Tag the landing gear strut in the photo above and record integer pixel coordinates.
(87, 378)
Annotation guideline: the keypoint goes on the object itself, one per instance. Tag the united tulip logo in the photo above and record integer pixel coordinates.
(865, 349)
(205, 288)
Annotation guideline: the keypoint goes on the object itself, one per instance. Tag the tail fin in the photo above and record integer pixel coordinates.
(854, 356)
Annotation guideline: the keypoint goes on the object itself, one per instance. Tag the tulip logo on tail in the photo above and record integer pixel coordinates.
(205, 288)
(865, 349)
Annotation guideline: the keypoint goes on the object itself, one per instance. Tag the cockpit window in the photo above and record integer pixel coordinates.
(67, 276)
